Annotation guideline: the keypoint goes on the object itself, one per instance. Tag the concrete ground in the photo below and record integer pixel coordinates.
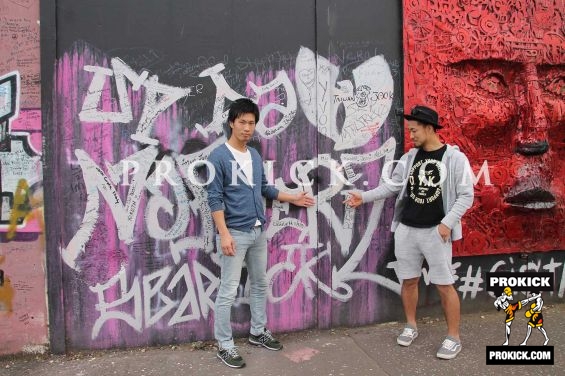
(369, 350)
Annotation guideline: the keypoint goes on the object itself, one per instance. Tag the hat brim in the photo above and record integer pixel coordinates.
(410, 117)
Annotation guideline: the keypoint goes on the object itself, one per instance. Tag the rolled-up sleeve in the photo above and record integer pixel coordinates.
(215, 188)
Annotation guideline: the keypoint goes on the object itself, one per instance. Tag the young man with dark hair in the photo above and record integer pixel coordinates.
(434, 189)
(235, 198)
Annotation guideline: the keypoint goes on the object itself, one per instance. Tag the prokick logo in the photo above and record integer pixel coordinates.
(504, 285)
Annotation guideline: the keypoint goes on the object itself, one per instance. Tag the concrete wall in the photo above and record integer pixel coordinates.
(23, 301)
(132, 262)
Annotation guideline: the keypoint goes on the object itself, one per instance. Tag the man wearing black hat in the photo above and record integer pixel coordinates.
(434, 189)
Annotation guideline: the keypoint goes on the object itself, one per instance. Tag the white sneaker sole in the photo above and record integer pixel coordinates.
(448, 356)
(227, 364)
(406, 343)
(261, 344)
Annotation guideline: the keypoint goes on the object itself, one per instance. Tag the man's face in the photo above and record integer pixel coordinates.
(243, 128)
(500, 88)
(514, 120)
(419, 133)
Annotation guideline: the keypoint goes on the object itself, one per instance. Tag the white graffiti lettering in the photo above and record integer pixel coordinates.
(367, 101)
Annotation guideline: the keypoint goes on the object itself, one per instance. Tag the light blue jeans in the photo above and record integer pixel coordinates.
(250, 247)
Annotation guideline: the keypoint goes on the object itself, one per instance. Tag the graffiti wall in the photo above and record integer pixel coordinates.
(23, 305)
(135, 114)
(495, 71)
(137, 100)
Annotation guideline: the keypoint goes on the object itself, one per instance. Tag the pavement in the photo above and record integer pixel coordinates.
(368, 350)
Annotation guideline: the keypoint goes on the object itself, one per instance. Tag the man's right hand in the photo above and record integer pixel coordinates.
(228, 244)
(354, 199)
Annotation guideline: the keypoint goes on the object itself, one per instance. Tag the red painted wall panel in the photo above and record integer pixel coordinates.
(495, 72)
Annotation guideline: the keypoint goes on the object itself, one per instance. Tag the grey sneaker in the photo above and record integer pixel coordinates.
(449, 348)
(408, 335)
(231, 357)
(266, 340)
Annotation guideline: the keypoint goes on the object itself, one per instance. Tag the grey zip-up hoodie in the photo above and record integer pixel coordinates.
(457, 188)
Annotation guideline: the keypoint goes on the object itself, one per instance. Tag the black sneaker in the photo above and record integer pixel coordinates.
(266, 340)
(231, 357)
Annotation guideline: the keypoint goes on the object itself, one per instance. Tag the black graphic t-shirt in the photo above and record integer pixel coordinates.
(424, 206)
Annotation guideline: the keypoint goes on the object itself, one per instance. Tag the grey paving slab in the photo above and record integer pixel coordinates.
(370, 350)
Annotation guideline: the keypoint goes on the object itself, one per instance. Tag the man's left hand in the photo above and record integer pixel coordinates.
(303, 199)
(444, 232)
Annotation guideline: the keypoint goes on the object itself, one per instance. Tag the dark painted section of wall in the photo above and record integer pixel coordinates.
(52, 206)
(348, 34)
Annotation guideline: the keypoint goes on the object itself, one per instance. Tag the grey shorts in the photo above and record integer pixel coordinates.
(412, 245)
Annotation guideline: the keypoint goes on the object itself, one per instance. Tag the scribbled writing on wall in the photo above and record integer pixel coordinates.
(19, 166)
(23, 298)
(367, 104)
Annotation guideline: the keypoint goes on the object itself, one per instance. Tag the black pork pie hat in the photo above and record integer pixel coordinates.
(424, 115)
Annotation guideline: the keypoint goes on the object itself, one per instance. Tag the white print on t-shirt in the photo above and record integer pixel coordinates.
(428, 187)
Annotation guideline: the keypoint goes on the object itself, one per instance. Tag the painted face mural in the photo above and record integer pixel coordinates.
(495, 71)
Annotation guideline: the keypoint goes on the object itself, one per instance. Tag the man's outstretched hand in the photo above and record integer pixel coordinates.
(353, 200)
(303, 199)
